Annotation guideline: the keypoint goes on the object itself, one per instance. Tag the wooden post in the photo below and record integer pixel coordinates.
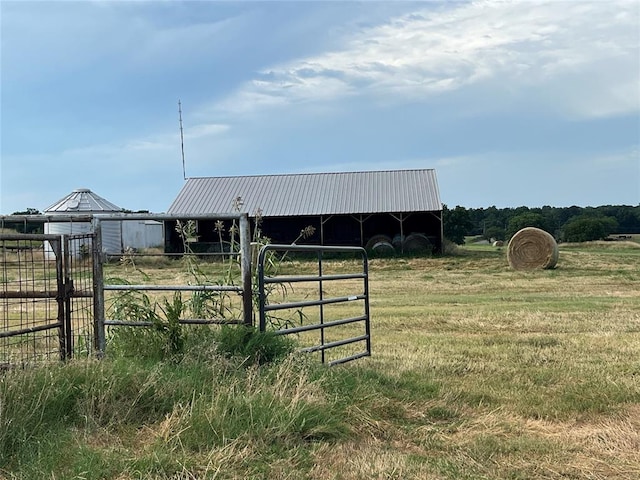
(245, 259)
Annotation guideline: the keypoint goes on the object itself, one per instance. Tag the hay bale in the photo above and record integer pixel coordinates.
(383, 249)
(397, 241)
(498, 243)
(532, 248)
(417, 243)
(375, 240)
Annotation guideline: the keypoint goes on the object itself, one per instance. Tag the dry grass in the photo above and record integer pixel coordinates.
(478, 372)
(537, 373)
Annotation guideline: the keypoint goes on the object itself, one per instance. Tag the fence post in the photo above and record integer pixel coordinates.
(245, 259)
(56, 247)
(68, 290)
(99, 338)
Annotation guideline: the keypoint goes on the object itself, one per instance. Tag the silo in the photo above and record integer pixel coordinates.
(83, 201)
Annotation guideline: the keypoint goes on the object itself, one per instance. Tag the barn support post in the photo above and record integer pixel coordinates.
(401, 234)
(322, 222)
(245, 258)
(360, 219)
(400, 219)
(439, 218)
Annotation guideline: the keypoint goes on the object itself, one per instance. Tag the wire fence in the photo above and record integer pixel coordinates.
(31, 309)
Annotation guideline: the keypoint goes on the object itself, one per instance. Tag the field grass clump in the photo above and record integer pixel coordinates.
(477, 372)
(171, 410)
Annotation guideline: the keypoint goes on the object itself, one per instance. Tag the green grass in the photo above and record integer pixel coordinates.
(478, 372)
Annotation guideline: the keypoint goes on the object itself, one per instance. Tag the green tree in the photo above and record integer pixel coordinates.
(456, 223)
(28, 211)
(585, 228)
(527, 219)
(494, 232)
(27, 226)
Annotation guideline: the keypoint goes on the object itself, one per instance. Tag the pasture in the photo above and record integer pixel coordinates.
(477, 372)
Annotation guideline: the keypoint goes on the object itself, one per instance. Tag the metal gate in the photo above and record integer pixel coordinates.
(349, 323)
(46, 306)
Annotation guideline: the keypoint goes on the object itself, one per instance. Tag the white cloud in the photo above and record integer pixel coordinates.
(518, 45)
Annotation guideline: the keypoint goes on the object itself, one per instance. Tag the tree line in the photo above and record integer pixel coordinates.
(566, 224)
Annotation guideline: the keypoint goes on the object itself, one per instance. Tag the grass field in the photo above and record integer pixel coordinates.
(477, 372)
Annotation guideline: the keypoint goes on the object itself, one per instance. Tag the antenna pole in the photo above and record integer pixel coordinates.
(184, 171)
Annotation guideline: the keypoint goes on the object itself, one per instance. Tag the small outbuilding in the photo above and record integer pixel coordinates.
(384, 211)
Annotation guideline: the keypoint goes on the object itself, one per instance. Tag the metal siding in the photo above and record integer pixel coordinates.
(312, 194)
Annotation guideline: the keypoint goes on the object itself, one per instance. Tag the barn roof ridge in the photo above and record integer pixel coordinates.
(259, 175)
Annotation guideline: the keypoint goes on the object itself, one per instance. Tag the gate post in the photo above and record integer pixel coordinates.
(99, 338)
(56, 247)
(68, 291)
(245, 259)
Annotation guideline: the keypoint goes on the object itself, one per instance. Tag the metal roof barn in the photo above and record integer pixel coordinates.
(345, 207)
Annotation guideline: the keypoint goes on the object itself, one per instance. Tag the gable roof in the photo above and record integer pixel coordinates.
(391, 191)
(82, 200)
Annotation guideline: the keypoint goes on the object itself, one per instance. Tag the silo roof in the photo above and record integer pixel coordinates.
(82, 200)
(391, 191)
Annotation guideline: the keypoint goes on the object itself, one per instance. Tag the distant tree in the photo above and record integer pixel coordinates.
(456, 223)
(527, 219)
(585, 228)
(495, 232)
(28, 211)
(28, 227)
(628, 217)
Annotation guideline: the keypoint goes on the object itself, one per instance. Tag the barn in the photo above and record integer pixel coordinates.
(385, 211)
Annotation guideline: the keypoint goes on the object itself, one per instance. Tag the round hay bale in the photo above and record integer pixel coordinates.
(498, 243)
(383, 249)
(397, 241)
(416, 243)
(532, 248)
(375, 240)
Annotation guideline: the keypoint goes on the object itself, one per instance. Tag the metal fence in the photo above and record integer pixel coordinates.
(56, 301)
(47, 280)
(198, 285)
(331, 320)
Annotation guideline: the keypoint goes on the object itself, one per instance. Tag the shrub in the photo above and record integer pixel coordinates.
(253, 346)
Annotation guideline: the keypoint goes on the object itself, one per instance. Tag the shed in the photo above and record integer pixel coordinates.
(399, 209)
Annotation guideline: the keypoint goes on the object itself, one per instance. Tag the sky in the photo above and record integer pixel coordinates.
(513, 103)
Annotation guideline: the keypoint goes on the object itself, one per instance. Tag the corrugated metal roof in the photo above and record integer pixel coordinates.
(82, 200)
(392, 191)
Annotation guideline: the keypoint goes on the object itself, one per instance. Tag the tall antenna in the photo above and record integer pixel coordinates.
(184, 170)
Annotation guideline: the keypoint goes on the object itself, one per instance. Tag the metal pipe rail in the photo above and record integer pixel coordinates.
(264, 279)
(172, 288)
(245, 289)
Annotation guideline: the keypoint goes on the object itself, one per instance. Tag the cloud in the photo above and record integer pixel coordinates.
(515, 46)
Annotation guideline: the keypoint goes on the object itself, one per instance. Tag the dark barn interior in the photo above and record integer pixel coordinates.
(350, 211)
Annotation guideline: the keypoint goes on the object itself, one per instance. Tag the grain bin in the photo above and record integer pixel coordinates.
(83, 201)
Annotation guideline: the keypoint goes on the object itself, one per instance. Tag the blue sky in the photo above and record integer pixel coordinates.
(513, 103)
